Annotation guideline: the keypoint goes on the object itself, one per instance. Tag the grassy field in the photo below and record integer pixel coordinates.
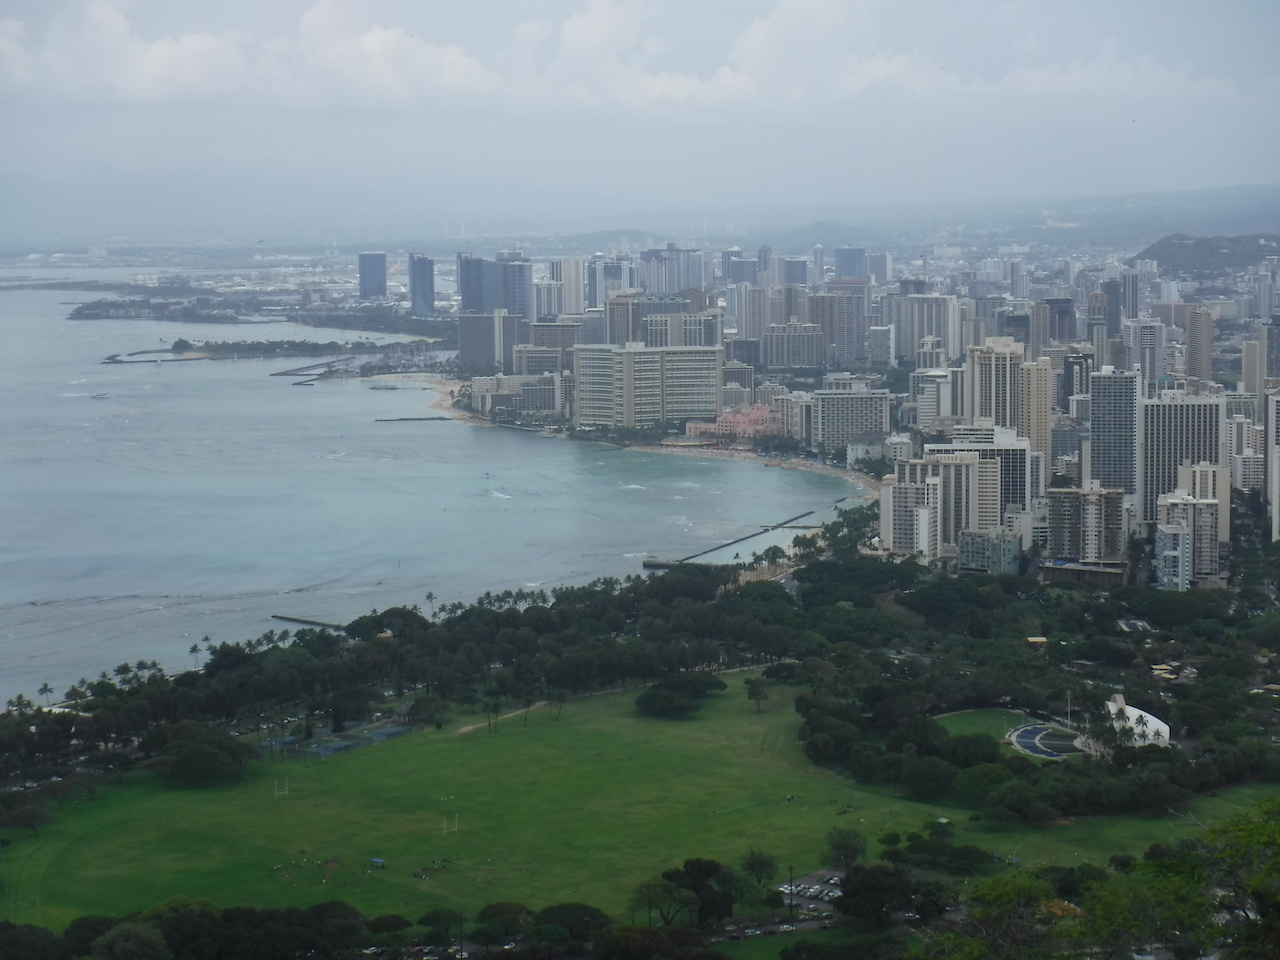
(581, 808)
(995, 723)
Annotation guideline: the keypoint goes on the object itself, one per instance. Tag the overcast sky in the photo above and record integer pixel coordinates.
(349, 115)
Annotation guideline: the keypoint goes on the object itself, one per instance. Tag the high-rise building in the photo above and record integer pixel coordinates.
(792, 345)
(1022, 470)
(506, 283)
(610, 275)
(881, 265)
(926, 504)
(851, 263)
(572, 276)
(824, 310)
(1086, 525)
(631, 385)
(1113, 435)
(1035, 406)
(373, 276)
(625, 315)
(1200, 345)
(927, 315)
(1208, 481)
(1062, 318)
(548, 297)
(819, 264)
(1038, 330)
(1253, 363)
(1146, 340)
(1175, 428)
(486, 342)
(671, 269)
(853, 319)
(422, 285)
(1019, 280)
(1200, 519)
(1114, 306)
(992, 375)
(1130, 298)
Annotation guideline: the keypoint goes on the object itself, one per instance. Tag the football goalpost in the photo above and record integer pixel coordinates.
(449, 829)
(281, 792)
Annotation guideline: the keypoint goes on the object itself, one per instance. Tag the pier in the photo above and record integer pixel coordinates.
(653, 563)
(309, 623)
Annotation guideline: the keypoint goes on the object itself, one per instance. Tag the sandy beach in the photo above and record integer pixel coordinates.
(749, 456)
(443, 403)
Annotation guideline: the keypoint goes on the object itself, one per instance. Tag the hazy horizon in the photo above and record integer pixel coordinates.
(341, 117)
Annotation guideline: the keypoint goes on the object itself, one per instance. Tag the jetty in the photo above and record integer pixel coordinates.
(655, 563)
(309, 623)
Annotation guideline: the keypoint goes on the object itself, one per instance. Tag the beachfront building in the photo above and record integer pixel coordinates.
(634, 386)
(757, 421)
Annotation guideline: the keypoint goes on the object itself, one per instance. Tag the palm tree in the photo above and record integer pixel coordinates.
(195, 654)
(46, 691)
(431, 602)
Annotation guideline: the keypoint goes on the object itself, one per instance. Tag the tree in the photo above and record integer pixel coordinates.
(1245, 858)
(662, 898)
(928, 778)
(443, 923)
(760, 867)
(580, 921)
(506, 915)
(757, 690)
(1007, 913)
(871, 893)
(844, 847)
(131, 941)
(46, 691)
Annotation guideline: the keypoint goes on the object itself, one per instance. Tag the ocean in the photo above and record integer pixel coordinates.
(201, 498)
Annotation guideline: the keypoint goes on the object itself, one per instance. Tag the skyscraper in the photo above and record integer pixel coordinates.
(1175, 428)
(851, 263)
(1200, 345)
(1113, 435)
(992, 375)
(1146, 348)
(1035, 406)
(571, 274)
(373, 276)
(422, 285)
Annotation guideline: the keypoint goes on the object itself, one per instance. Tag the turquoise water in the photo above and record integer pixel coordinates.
(201, 498)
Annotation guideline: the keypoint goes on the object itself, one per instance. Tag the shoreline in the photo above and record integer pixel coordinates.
(441, 385)
(750, 456)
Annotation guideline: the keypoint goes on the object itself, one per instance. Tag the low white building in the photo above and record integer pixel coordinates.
(1140, 727)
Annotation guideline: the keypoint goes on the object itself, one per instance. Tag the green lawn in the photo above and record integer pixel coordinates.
(996, 723)
(581, 808)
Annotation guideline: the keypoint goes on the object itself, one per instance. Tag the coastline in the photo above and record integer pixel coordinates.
(750, 456)
(441, 385)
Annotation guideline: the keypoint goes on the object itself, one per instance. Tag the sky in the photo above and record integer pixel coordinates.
(349, 117)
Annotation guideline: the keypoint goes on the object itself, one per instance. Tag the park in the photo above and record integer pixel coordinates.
(580, 804)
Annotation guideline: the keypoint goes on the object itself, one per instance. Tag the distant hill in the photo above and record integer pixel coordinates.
(1206, 256)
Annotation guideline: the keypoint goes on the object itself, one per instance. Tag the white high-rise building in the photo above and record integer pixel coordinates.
(1022, 470)
(571, 274)
(1200, 518)
(926, 504)
(633, 385)
(1035, 405)
(1147, 348)
(992, 380)
(1175, 428)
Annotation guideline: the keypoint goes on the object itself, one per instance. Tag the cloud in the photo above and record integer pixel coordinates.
(798, 60)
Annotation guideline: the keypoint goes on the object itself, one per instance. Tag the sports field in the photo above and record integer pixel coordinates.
(581, 808)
